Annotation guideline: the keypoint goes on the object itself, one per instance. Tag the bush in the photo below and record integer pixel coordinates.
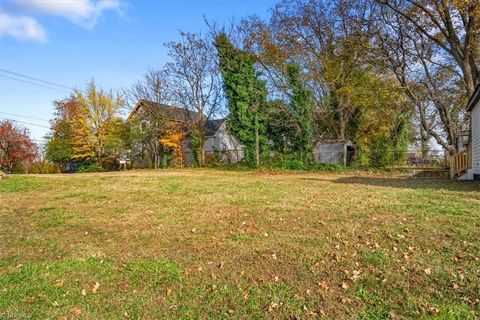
(293, 164)
(328, 167)
(110, 164)
(39, 167)
(94, 167)
(381, 153)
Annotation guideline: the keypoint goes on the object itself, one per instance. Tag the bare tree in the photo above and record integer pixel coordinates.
(152, 87)
(432, 48)
(195, 84)
(146, 133)
(452, 27)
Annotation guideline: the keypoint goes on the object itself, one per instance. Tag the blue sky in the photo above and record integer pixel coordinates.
(69, 42)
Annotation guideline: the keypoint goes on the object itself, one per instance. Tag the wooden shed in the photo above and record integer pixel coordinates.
(334, 151)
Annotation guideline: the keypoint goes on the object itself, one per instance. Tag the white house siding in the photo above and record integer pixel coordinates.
(475, 140)
(231, 151)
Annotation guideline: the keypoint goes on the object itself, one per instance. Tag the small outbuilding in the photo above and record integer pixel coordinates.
(335, 151)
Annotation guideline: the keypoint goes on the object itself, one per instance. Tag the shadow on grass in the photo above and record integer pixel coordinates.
(406, 183)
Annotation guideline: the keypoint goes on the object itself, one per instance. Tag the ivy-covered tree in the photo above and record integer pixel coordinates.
(302, 107)
(246, 95)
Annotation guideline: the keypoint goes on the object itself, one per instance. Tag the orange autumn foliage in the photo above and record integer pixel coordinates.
(172, 139)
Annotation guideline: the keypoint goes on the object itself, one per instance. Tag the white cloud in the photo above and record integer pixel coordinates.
(82, 12)
(21, 27)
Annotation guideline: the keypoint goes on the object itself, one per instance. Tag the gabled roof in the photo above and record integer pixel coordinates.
(175, 113)
(165, 110)
(335, 141)
(472, 102)
(212, 126)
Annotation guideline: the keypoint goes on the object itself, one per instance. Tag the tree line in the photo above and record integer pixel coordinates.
(385, 74)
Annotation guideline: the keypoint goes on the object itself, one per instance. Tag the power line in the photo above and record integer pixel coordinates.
(32, 83)
(26, 117)
(28, 123)
(36, 79)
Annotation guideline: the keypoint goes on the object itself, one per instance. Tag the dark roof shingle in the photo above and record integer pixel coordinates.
(212, 126)
(171, 112)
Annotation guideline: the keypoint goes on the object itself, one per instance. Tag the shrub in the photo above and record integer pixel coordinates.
(328, 167)
(94, 167)
(285, 162)
(38, 167)
(381, 153)
(110, 164)
(293, 164)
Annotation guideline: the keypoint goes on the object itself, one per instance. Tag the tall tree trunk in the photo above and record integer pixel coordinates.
(202, 153)
(342, 123)
(257, 142)
(424, 142)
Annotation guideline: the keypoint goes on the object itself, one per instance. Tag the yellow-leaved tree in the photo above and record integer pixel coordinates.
(172, 139)
(99, 112)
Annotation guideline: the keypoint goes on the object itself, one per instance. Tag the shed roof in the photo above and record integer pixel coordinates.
(472, 102)
(336, 141)
(171, 112)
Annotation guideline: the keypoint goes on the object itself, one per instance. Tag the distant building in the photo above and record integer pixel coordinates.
(334, 151)
(220, 145)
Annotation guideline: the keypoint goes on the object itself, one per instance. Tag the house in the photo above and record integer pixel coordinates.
(472, 154)
(335, 151)
(219, 145)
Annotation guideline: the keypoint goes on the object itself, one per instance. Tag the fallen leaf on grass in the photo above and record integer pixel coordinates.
(323, 284)
(345, 285)
(273, 305)
(428, 271)
(30, 300)
(356, 275)
(76, 311)
(433, 309)
(346, 300)
(95, 287)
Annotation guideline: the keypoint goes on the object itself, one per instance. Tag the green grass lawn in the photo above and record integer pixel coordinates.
(198, 244)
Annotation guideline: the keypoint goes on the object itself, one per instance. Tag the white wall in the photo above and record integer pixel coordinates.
(222, 141)
(476, 139)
